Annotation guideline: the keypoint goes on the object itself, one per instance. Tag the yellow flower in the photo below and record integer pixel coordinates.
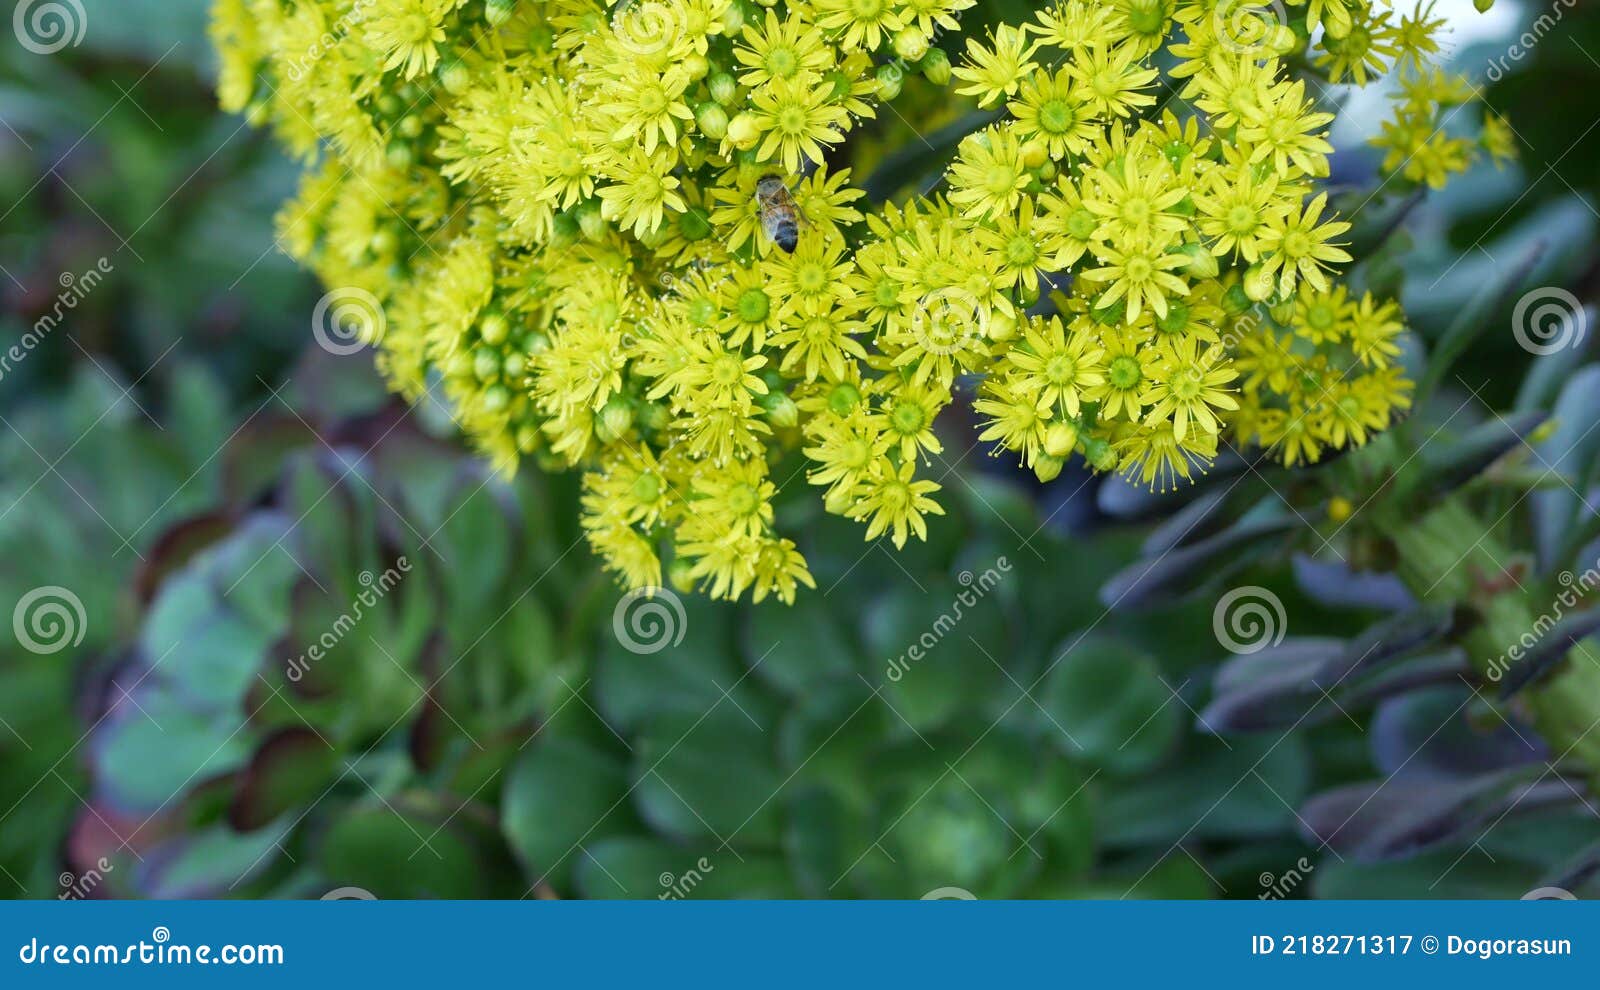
(556, 207)
(1295, 245)
(408, 33)
(1189, 386)
(896, 504)
(995, 71)
(797, 119)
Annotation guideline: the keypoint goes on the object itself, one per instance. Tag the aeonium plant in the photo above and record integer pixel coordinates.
(702, 250)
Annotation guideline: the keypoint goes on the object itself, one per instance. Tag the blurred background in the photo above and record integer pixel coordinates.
(274, 634)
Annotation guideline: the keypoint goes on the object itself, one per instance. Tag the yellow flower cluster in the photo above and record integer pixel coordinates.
(557, 205)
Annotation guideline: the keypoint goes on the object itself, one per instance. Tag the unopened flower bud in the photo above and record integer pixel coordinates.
(723, 87)
(712, 120)
(1257, 284)
(1060, 438)
(680, 575)
(454, 77)
(910, 44)
(890, 79)
(1234, 301)
(1000, 326)
(497, 12)
(591, 222)
(1046, 468)
(384, 242)
(1099, 454)
(843, 398)
(1281, 39)
(781, 410)
(494, 329)
(935, 67)
(1201, 264)
(615, 419)
(654, 416)
(743, 132)
(485, 364)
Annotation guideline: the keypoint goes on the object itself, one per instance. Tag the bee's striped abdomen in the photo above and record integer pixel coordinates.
(779, 217)
(785, 233)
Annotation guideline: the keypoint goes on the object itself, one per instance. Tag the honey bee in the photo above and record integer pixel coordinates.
(780, 218)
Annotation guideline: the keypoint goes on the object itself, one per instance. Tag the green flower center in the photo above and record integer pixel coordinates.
(792, 119)
(647, 487)
(782, 62)
(1176, 320)
(694, 226)
(887, 293)
(1001, 180)
(652, 101)
(855, 453)
(811, 279)
(908, 417)
(754, 306)
(702, 311)
(727, 370)
(1081, 224)
(1124, 372)
(1021, 251)
(1146, 16)
(743, 500)
(1057, 116)
(1321, 317)
(1187, 385)
(1061, 370)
